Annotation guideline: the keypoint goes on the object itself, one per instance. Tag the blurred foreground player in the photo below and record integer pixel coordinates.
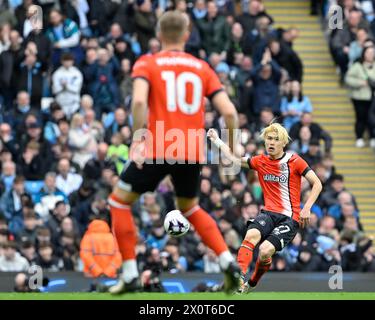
(277, 224)
(169, 91)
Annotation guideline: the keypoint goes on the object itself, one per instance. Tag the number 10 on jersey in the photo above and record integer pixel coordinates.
(176, 94)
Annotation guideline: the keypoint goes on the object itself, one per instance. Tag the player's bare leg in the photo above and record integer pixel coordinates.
(245, 254)
(263, 264)
(124, 229)
(210, 234)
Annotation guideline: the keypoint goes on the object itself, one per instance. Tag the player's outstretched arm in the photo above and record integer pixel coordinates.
(214, 137)
(316, 185)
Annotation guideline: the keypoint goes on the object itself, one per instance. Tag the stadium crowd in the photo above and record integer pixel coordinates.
(66, 128)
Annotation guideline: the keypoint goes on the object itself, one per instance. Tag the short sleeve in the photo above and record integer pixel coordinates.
(141, 69)
(301, 166)
(253, 162)
(213, 85)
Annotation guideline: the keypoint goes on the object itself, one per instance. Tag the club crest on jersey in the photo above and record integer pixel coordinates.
(283, 167)
(272, 178)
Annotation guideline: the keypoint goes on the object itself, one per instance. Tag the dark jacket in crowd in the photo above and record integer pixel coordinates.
(215, 34)
(266, 91)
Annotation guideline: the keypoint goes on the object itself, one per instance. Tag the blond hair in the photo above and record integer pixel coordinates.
(281, 132)
(173, 25)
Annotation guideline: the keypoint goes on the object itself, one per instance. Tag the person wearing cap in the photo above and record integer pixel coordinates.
(223, 70)
(66, 85)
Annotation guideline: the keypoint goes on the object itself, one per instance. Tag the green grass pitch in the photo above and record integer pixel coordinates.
(193, 296)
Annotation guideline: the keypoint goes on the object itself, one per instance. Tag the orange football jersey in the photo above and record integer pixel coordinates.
(179, 83)
(280, 180)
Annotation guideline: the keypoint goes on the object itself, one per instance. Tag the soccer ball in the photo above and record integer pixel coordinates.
(175, 224)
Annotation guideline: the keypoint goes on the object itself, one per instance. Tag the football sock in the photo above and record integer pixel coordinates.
(123, 227)
(210, 234)
(261, 267)
(129, 270)
(225, 259)
(245, 256)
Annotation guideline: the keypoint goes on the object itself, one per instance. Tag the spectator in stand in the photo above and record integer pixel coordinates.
(336, 209)
(64, 35)
(81, 140)
(289, 35)
(51, 131)
(94, 126)
(16, 117)
(34, 133)
(121, 119)
(200, 10)
(47, 260)
(214, 32)
(313, 156)
(31, 223)
(248, 18)
(66, 180)
(210, 262)
(9, 63)
(145, 22)
(245, 86)
(99, 251)
(101, 77)
(266, 79)
(30, 76)
(330, 196)
(317, 132)
(361, 81)
(48, 196)
(8, 175)
(356, 47)
(301, 145)
(341, 39)
(11, 260)
(31, 163)
(118, 152)
(287, 58)
(57, 215)
(125, 82)
(43, 45)
(4, 37)
(237, 43)
(294, 105)
(67, 84)
(28, 251)
(10, 201)
(258, 38)
(88, 210)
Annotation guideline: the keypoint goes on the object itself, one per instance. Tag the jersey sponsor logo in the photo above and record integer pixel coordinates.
(272, 178)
